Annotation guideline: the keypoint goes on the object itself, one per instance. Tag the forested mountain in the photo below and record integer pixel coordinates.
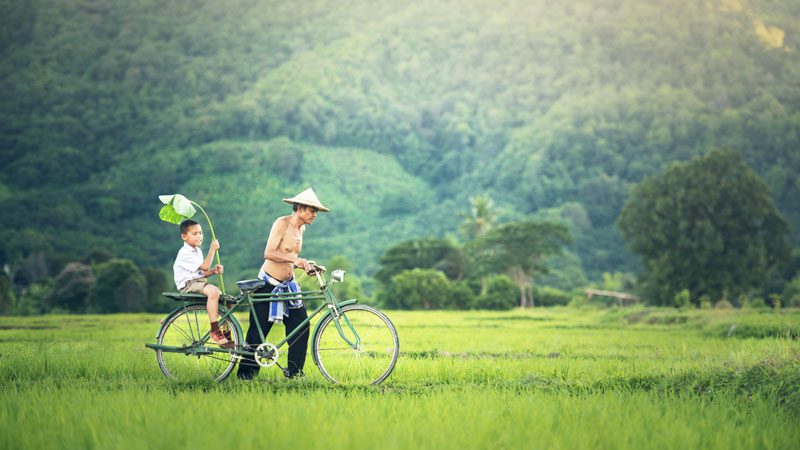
(397, 112)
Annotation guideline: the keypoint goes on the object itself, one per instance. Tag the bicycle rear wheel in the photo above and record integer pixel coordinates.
(184, 329)
(371, 361)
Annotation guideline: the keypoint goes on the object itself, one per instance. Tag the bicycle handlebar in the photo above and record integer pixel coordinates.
(318, 271)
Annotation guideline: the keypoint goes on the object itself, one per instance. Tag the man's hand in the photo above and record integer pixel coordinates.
(214, 245)
(305, 265)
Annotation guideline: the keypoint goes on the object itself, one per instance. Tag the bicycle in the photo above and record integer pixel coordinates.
(351, 343)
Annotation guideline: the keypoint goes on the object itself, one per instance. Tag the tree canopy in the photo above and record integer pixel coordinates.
(397, 112)
(709, 225)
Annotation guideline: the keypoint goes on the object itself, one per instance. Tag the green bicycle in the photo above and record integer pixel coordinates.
(351, 344)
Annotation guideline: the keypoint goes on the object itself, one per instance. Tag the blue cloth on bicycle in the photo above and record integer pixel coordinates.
(279, 310)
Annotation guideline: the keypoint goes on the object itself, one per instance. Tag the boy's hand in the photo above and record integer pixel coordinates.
(214, 245)
(218, 269)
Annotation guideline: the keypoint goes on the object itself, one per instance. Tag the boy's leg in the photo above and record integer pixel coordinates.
(299, 343)
(212, 306)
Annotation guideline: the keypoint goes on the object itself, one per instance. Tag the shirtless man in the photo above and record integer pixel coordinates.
(281, 257)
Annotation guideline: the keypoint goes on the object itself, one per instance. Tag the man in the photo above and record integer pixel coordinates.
(281, 257)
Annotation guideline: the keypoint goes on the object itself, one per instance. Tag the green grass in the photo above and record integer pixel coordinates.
(546, 378)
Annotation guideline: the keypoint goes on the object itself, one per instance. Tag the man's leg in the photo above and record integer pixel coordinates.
(248, 368)
(299, 343)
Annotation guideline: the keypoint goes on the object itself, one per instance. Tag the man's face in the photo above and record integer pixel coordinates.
(193, 236)
(307, 214)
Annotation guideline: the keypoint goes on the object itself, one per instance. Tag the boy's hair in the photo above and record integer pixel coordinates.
(186, 224)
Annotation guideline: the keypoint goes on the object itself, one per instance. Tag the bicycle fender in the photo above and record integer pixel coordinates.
(316, 329)
(222, 309)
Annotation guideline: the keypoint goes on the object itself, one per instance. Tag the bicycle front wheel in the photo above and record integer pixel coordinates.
(372, 358)
(184, 329)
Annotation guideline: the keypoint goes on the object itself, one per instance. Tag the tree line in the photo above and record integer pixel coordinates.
(707, 230)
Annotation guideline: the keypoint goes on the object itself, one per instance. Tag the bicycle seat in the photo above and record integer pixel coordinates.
(250, 285)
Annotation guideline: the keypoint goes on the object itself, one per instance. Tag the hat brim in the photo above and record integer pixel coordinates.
(319, 206)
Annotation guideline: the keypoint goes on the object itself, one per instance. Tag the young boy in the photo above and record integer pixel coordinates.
(191, 270)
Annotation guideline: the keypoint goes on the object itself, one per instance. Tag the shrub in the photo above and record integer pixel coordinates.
(791, 292)
(723, 304)
(501, 293)
(418, 289)
(156, 283)
(6, 294)
(682, 299)
(461, 296)
(119, 287)
(550, 296)
(32, 299)
(71, 288)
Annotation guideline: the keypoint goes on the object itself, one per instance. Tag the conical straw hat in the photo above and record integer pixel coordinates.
(308, 198)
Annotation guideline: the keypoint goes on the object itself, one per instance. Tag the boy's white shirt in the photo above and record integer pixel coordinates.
(187, 265)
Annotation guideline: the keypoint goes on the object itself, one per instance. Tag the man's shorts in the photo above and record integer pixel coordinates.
(195, 286)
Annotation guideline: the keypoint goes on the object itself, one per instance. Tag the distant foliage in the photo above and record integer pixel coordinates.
(418, 289)
(428, 253)
(519, 249)
(120, 287)
(400, 111)
(501, 293)
(709, 225)
(71, 288)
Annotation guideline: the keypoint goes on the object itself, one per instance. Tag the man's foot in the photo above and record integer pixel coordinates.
(218, 337)
(288, 374)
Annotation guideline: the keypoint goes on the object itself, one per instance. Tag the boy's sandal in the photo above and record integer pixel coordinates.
(221, 340)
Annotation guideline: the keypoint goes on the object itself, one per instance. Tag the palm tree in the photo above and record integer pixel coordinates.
(483, 216)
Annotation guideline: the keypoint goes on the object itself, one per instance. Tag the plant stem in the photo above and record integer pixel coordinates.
(213, 237)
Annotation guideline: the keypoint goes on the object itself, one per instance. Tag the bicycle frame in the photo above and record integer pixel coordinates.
(325, 293)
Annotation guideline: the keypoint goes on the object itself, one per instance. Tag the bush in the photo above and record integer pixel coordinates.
(461, 296)
(6, 294)
(501, 293)
(791, 292)
(32, 299)
(682, 299)
(723, 304)
(155, 283)
(418, 289)
(119, 287)
(71, 288)
(550, 296)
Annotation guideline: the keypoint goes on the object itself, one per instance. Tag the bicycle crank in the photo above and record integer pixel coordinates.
(266, 355)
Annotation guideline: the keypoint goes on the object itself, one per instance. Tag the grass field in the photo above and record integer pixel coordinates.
(544, 378)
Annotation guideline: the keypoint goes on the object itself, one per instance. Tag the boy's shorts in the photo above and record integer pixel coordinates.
(195, 286)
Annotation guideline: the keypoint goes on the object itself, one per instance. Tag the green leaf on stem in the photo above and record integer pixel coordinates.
(176, 209)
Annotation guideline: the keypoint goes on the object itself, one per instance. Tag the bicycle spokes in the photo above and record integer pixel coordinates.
(370, 360)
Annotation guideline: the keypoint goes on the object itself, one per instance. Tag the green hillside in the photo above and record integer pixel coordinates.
(395, 111)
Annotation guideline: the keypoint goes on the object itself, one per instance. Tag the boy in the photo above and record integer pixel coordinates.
(191, 270)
